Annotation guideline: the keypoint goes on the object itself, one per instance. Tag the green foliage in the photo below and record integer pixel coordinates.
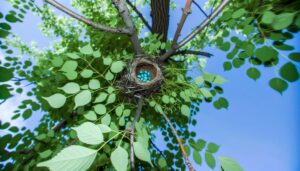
(119, 159)
(228, 164)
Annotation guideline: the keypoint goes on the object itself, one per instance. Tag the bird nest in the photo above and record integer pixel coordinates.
(142, 77)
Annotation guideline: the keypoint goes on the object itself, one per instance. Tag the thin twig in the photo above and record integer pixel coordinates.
(123, 11)
(197, 30)
(187, 161)
(192, 52)
(139, 14)
(132, 131)
(199, 7)
(85, 20)
(185, 12)
(160, 152)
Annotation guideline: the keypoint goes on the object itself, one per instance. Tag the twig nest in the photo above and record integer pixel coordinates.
(143, 76)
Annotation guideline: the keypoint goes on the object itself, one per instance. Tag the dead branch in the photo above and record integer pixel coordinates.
(187, 161)
(85, 20)
(139, 14)
(197, 30)
(123, 11)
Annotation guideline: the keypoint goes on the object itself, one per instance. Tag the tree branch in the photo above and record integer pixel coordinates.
(185, 12)
(123, 11)
(199, 7)
(192, 52)
(132, 131)
(85, 20)
(204, 24)
(187, 161)
(139, 14)
(198, 29)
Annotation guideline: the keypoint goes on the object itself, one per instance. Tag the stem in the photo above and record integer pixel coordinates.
(132, 131)
(187, 161)
(85, 20)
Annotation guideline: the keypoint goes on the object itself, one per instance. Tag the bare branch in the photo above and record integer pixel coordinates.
(185, 12)
(187, 161)
(198, 29)
(204, 24)
(192, 52)
(132, 131)
(199, 7)
(123, 11)
(85, 20)
(134, 8)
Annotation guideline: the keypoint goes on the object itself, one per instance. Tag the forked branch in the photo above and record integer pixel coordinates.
(185, 12)
(197, 30)
(123, 11)
(139, 14)
(187, 161)
(85, 20)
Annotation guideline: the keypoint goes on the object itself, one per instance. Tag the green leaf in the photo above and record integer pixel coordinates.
(5, 26)
(119, 110)
(283, 20)
(71, 75)
(11, 18)
(141, 152)
(109, 76)
(106, 119)
(119, 159)
(86, 73)
(239, 13)
(289, 72)
(90, 115)
(89, 133)
(253, 73)
(219, 80)
(295, 56)
(97, 54)
(87, 49)
(206, 93)
(94, 84)
(69, 66)
(57, 61)
(117, 66)
(197, 157)
(45, 154)
(162, 162)
(73, 55)
(101, 97)
(278, 84)
(74, 157)
(71, 88)
(198, 80)
(212, 148)
(266, 53)
(227, 66)
(225, 46)
(100, 109)
(104, 128)
(111, 99)
(6, 74)
(185, 110)
(27, 113)
(107, 61)
(83, 98)
(56, 101)
(210, 160)
(3, 33)
(165, 99)
(268, 17)
(229, 164)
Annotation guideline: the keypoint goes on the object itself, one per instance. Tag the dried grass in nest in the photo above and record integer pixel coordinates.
(130, 84)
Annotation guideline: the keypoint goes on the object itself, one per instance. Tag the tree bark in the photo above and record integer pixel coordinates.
(160, 18)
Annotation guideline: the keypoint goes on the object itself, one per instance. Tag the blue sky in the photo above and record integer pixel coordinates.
(260, 128)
